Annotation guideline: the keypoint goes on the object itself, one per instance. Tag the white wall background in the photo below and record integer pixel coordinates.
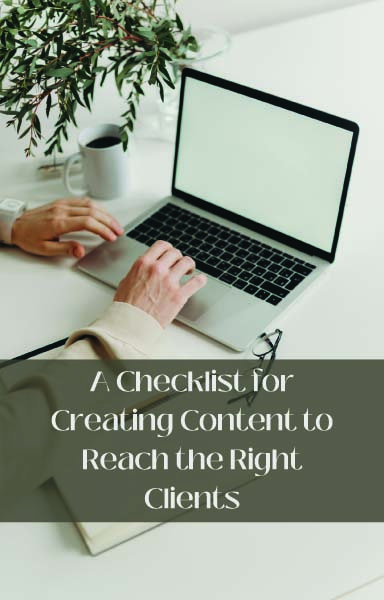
(242, 15)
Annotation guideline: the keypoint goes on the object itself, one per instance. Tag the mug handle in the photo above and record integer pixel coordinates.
(67, 168)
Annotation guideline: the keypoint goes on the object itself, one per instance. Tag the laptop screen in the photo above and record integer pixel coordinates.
(269, 164)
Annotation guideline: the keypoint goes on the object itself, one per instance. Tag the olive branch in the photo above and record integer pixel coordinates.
(54, 54)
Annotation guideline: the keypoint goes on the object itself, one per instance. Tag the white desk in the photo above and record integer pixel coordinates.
(333, 62)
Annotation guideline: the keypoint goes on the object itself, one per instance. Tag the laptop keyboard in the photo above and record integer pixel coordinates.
(236, 259)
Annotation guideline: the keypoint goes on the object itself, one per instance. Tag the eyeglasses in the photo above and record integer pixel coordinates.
(267, 344)
(265, 347)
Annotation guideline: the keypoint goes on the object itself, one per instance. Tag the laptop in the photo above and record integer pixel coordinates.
(258, 193)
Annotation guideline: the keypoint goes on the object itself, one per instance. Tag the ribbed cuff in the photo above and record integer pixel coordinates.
(125, 323)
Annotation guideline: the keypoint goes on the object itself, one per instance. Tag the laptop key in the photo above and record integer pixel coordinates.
(269, 276)
(275, 268)
(262, 294)
(251, 289)
(184, 238)
(274, 289)
(263, 263)
(277, 258)
(240, 284)
(259, 271)
(248, 266)
(165, 229)
(215, 251)
(234, 271)
(287, 263)
(222, 265)
(237, 261)
(210, 239)
(297, 278)
(164, 210)
(246, 275)
(242, 253)
(256, 280)
(227, 278)
(153, 221)
(183, 247)
(226, 256)
(234, 239)
(294, 282)
(144, 227)
(286, 273)
(291, 285)
(281, 281)
(212, 260)
(142, 238)
(206, 268)
(273, 299)
(245, 243)
(302, 270)
(193, 247)
(204, 247)
(214, 230)
(266, 253)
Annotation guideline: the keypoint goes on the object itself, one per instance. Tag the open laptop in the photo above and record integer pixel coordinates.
(258, 194)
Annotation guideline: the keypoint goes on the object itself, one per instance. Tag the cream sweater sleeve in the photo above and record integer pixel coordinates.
(123, 332)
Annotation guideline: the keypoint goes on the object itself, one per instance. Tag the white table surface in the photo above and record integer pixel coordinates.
(332, 62)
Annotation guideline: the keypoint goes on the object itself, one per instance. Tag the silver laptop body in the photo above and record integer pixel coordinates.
(269, 170)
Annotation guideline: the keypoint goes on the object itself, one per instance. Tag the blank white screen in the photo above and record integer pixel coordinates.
(266, 163)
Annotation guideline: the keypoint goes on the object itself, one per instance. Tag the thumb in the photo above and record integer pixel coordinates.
(63, 249)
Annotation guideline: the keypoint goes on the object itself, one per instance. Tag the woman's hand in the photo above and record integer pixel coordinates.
(38, 231)
(153, 283)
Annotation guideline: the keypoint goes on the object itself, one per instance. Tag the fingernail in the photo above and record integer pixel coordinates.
(112, 237)
(77, 252)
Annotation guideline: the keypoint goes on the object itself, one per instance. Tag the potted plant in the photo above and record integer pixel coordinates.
(54, 54)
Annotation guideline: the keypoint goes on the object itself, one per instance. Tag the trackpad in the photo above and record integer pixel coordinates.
(204, 300)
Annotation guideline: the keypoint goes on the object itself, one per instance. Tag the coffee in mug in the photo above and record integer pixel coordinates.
(104, 163)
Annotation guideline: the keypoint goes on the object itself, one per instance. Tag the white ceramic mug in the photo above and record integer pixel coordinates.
(105, 168)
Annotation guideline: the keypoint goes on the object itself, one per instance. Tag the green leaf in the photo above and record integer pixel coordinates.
(179, 23)
(147, 33)
(153, 76)
(138, 89)
(48, 105)
(161, 90)
(62, 72)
